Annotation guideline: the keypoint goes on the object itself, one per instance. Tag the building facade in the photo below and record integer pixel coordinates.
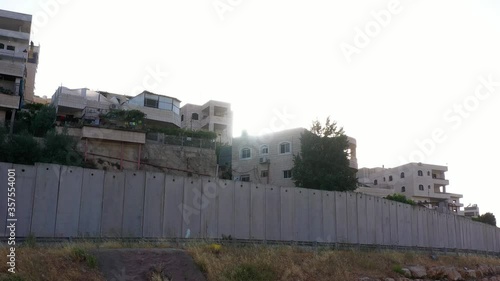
(423, 183)
(213, 116)
(84, 105)
(31, 69)
(472, 211)
(268, 159)
(15, 31)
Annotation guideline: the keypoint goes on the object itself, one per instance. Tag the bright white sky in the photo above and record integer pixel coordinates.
(271, 59)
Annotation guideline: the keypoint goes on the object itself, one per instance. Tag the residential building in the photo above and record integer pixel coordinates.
(84, 105)
(213, 116)
(15, 31)
(471, 211)
(268, 159)
(423, 183)
(31, 68)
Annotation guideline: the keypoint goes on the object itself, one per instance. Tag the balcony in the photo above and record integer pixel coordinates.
(9, 101)
(440, 180)
(12, 68)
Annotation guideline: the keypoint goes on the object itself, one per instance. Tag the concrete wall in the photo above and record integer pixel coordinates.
(63, 201)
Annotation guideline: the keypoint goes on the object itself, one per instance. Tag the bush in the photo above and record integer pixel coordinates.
(80, 255)
(43, 121)
(61, 149)
(251, 272)
(400, 198)
(20, 149)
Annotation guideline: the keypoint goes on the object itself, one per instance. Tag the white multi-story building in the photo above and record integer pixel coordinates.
(14, 45)
(87, 105)
(471, 211)
(423, 183)
(213, 116)
(268, 159)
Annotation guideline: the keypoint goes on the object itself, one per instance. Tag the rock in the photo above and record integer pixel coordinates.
(497, 269)
(417, 271)
(485, 270)
(403, 279)
(470, 273)
(436, 272)
(406, 272)
(367, 279)
(389, 279)
(452, 274)
(493, 278)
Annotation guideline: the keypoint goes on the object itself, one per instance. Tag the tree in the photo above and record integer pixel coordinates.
(400, 198)
(322, 162)
(43, 121)
(488, 218)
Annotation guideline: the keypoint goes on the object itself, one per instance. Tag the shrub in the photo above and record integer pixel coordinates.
(43, 121)
(80, 255)
(251, 272)
(400, 198)
(20, 149)
(61, 149)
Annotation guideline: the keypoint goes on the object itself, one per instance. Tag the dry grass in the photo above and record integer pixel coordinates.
(47, 264)
(290, 263)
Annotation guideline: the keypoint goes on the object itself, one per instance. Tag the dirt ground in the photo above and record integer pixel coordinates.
(147, 265)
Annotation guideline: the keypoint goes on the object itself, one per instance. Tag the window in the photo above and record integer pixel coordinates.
(11, 48)
(421, 187)
(264, 149)
(390, 178)
(384, 178)
(428, 173)
(194, 116)
(375, 182)
(245, 178)
(402, 175)
(264, 174)
(151, 101)
(287, 174)
(420, 173)
(428, 187)
(2, 46)
(182, 117)
(246, 153)
(403, 189)
(284, 147)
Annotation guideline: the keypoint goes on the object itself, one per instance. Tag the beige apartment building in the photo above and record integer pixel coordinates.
(423, 183)
(213, 116)
(15, 31)
(268, 159)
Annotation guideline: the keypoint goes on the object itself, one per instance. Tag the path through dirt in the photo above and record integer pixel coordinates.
(143, 264)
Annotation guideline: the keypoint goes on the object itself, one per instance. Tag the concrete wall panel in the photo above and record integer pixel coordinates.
(452, 233)
(393, 208)
(370, 220)
(362, 218)
(45, 201)
(258, 211)
(379, 220)
(315, 216)
(112, 204)
(421, 224)
(173, 207)
(4, 167)
(328, 201)
(301, 214)
(194, 201)
(273, 211)
(414, 225)
(225, 189)
(386, 221)
(352, 218)
(287, 211)
(133, 203)
(442, 231)
(404, 224)
(25, 190)
(341, 216)
(433, 229)
(89, 224)
(209, 222)
(68, 207)
(242, 210)
(153, 205)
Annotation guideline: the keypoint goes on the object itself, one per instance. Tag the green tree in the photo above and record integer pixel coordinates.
(488, 218)
(323, 161)
(20, 149)
(61, 149)
(43, 121)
